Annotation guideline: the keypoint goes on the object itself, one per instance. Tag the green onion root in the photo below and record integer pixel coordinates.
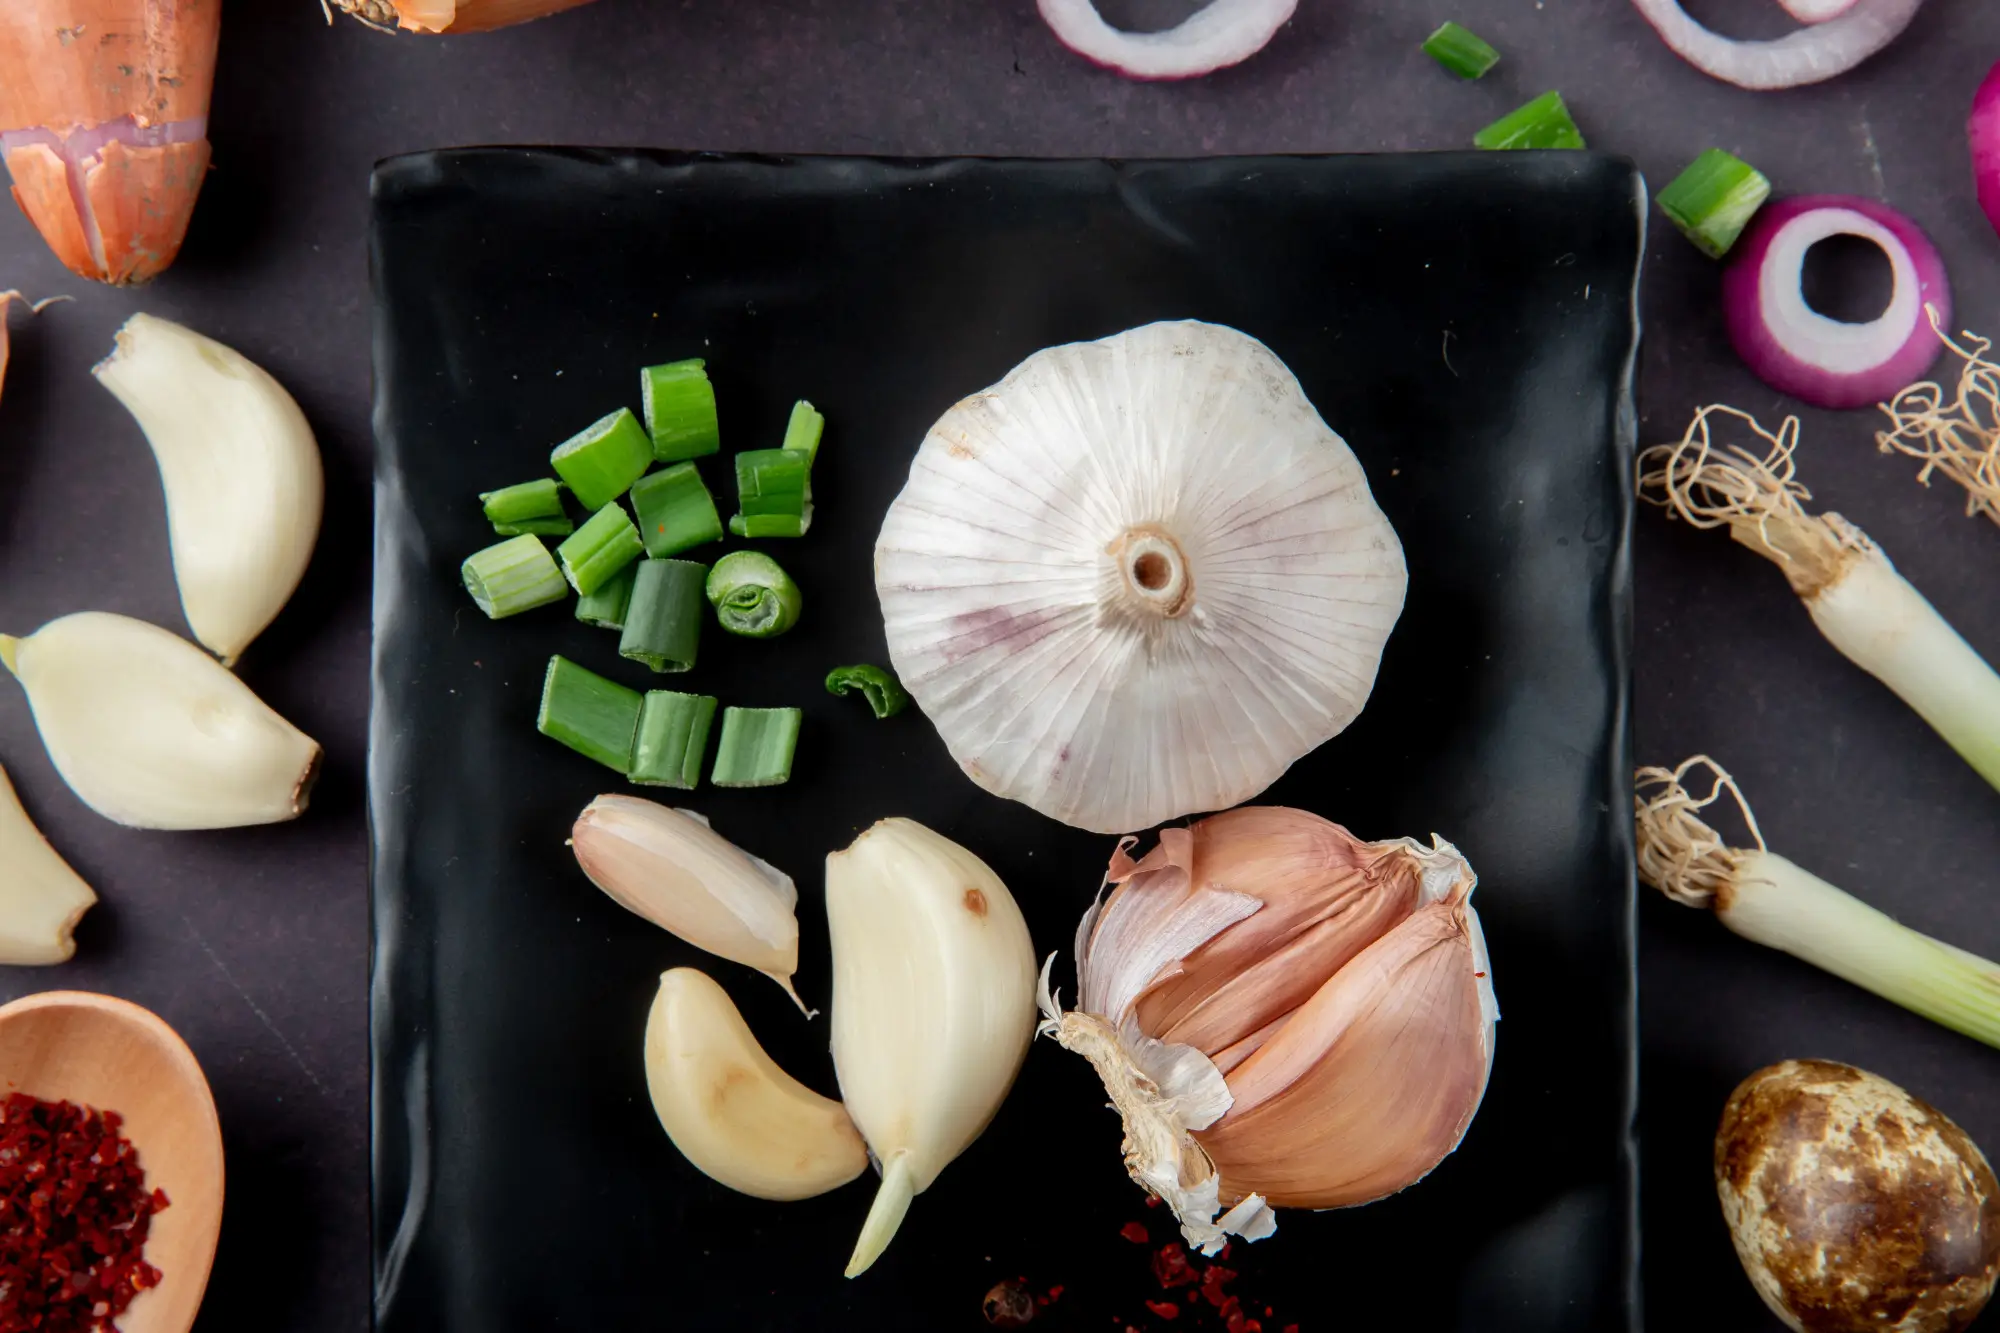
(1959, 438)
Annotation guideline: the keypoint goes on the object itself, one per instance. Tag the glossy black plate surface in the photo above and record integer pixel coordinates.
(1465, 322)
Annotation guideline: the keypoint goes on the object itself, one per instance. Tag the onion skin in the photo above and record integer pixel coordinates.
(1855, 1206)
(1982, 130)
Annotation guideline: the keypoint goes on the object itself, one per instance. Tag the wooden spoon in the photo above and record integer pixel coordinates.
(112, 1055)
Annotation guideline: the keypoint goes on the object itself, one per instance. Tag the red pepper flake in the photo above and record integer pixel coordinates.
(1152, 1201)
(1212, 1283)
(1135, 1232)
(1055, 1293)
(1291, 1328)
(1164, 1309)
(74, 1213)
(1171, 1268)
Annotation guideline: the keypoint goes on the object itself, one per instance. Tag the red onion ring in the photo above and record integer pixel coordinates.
(1816, 11)
(1807, 56)
(1795, 349)
(1982, 130)
(1224, 33)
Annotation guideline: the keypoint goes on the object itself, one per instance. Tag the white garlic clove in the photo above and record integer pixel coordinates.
(730, 1109)
(671, 868)
(151, 732)
(933, 1005)
(41, 898)
(1137, 578)
(241, 469)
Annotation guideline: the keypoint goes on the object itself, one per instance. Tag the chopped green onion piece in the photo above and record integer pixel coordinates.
(1714, 200)
(532, 506)
(606, 607)
(679, 403)
(673, 737)
(772, 483)
(756, 747)
(769, 525)
(885, 694)
(1542, 123)
(752, 595)
(675, 511)
(601, 463)
(802, 432)
(513, 576)
(1462, 51)
(597, 718)
(605, 544)
(663, 624)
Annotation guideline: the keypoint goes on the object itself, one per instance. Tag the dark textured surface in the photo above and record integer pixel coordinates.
(254, 944)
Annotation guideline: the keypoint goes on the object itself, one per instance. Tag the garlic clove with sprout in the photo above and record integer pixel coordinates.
(151, 732)
(729, 1108)
(1137, 578)
(1282, 1014)
(241, 469)
(41, 898)
(933, 1006)
(671, 868)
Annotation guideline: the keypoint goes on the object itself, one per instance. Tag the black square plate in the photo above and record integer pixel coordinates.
(1466, 322)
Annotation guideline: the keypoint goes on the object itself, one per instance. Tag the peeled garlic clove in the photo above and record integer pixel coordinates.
(933, 1006)
(727, 1106)
(241, 470)
(150, 732)
(670, 867)
(41, 898)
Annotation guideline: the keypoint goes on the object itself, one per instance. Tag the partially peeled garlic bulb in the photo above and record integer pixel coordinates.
(151, 732)
(241, 469)
(1137, 578)
(1284, 1015)
(41, 898)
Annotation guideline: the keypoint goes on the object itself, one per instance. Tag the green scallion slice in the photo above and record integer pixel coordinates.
(601, 462)
(675, 511)
(753, 595)
(772, 483)
(663, 624)
(1714, 200)
(679, 403)
(768, 525)
(606, 607)
(802, 432)
(756, 747)
(673, 737)
(1542, 123)
(885, 694)
(1462, 51)
(597, 718)
(532, 506)
(513, 576)
(605, 544)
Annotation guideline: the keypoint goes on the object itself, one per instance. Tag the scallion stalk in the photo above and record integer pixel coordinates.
(595, 552)
(767, 525)
(753, 595)
(756, 747)
(1542, 123)
(772, 483)
(597, 718)
(1461, 51)
(885, 694)
(605, 608)
(802, 432)
(675, 511)
(532, 506)
(679, 403)
(673, 737)
(663, 624)
(513, 576)
(1714, 199)
(601, 462)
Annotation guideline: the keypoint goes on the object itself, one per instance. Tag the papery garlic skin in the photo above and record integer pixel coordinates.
(1137, 578)
(152, 733)
(933, 1005)
(729, 1108)
(41, 898)
(242, 473)
(671, 868)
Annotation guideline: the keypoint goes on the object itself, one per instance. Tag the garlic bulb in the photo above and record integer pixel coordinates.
(149, 731)
(728, 1107)
(1284, 1015)
(1137, 578)
(933, 1006)
(241, 470)
(670, 867)
(41, 898)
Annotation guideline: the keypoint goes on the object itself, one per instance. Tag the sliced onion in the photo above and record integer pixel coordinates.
(1983, 130)
(1795, 349)
(1224, 33)
(1819, 52)
(1816, 11)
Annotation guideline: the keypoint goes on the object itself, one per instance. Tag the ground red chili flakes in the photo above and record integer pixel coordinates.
(74, 1214)
(1135, 1232)
(1164, 1309)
